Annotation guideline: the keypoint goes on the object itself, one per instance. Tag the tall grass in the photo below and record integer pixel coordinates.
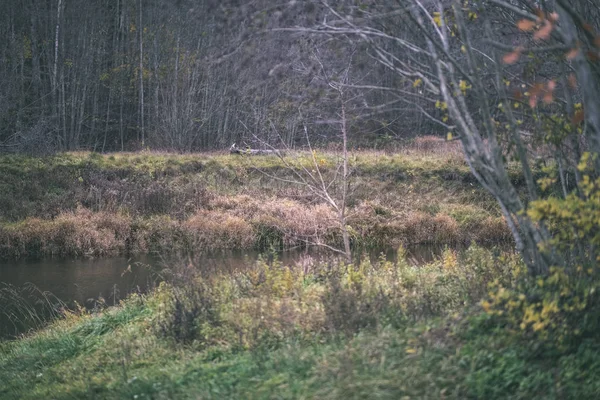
(27, 308)
(239, 222)
(467, 325)
(85, 204)
(210, 334)
(270, 300)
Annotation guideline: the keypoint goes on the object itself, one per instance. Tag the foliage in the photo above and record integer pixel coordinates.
(558, 311)
(574, 218)
(218, 321)
(537, 339)
(327, 330)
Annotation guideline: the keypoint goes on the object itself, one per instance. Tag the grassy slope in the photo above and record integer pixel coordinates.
(85, 367)
(389, 332)
(83, 203)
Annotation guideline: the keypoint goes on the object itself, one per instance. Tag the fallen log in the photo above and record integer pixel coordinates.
(254, 152)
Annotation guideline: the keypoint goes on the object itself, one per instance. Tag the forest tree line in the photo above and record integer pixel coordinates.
(109, 75)
(185, 75)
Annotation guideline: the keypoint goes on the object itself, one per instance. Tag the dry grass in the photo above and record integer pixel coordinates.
(74, 234)
(427, 145)
(240, 222)
(80, 204)
(293, 220)
(218, 229)
(435, 145)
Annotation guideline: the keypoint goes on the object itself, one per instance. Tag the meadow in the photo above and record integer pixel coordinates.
(471, 324)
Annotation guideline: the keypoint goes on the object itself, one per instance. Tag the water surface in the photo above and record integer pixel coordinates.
(49, 284)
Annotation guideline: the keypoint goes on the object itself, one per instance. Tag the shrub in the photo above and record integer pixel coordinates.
(185, 305)
(557, 311)
(348, 310)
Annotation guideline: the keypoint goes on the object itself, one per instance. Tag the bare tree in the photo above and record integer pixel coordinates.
(449, 54)
(329, 184)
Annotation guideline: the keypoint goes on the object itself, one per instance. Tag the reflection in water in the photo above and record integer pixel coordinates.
(89, 281)
(45, 284)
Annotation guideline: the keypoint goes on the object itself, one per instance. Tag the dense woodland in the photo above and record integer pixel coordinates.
(176, 75)
(196, 75)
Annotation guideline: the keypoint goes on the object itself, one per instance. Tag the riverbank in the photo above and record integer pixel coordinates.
(468, 325)
(87, 204)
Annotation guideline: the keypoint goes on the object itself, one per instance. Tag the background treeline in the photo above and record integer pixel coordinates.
(109, 75)
(183, 75)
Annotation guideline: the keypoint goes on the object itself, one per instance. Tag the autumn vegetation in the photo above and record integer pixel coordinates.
(468, 325)
(511, 91)
(86, 204)
(454, 327)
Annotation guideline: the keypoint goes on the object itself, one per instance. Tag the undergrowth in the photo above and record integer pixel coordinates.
(468, 325)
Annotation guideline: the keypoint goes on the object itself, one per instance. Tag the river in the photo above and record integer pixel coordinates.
(46, 285)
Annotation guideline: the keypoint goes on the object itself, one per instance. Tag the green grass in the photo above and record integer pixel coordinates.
(330, 331)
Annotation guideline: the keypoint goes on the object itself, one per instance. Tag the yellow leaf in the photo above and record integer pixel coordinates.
(486, 306)
(437, 19)
(463, 85)
(449, 136)
(583, 162)
(523, 325)
(417, 82)
(538, 326)
(411, 351)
